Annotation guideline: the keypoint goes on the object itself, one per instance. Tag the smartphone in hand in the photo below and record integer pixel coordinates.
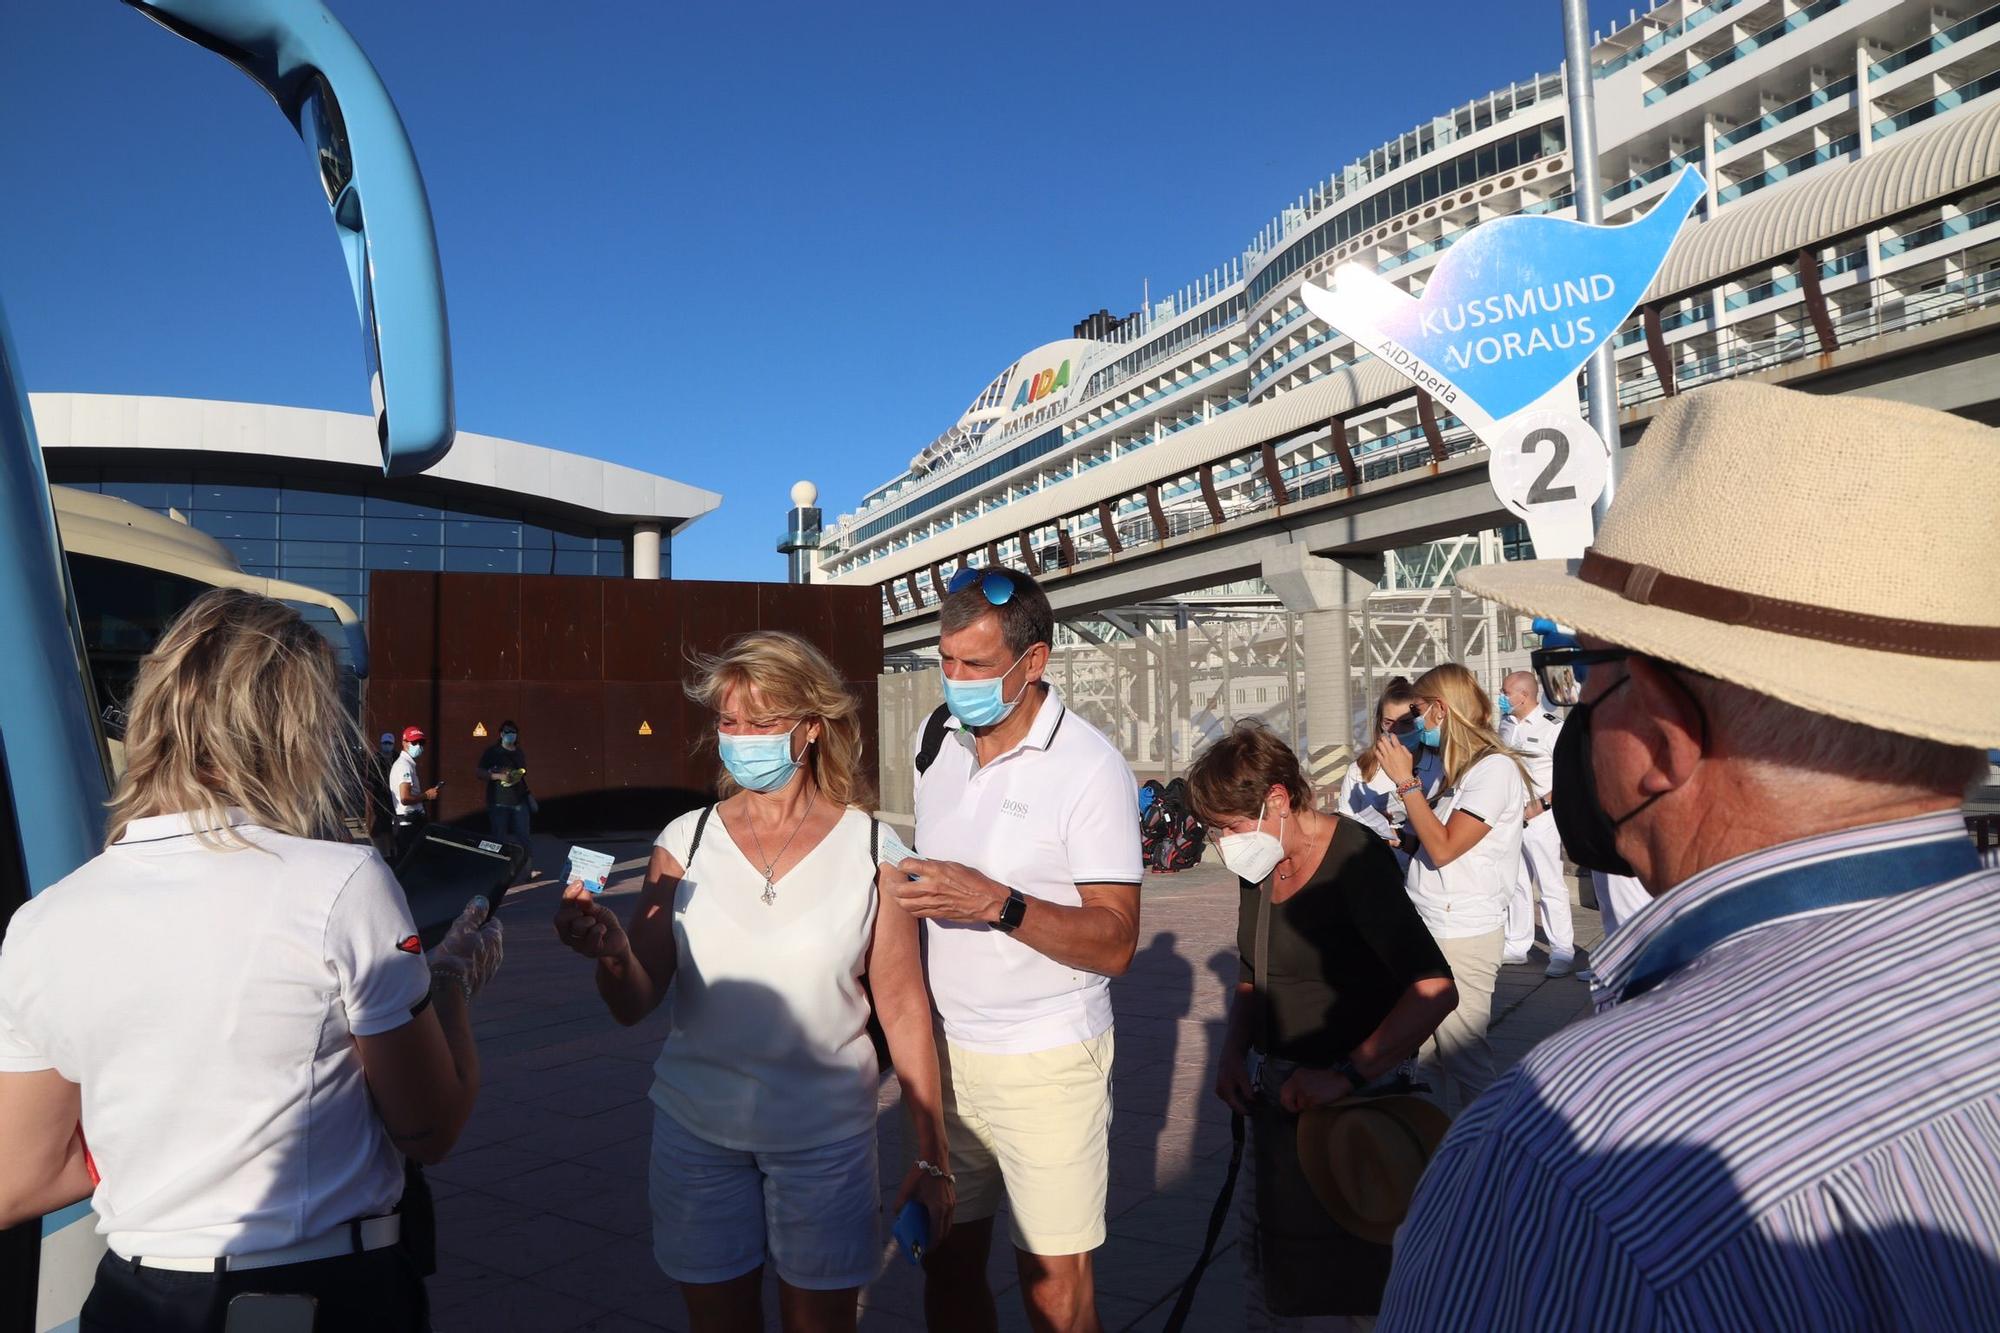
(913, 1230)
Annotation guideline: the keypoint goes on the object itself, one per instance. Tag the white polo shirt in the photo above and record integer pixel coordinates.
(405, 770)
(1534, 735)
(206, 1002)
(1469, 896)
(1058, 810)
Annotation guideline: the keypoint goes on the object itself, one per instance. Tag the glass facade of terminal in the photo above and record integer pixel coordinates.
(331, 537)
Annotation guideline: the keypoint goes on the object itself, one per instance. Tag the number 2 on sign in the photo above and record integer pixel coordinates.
(1548, 465)
(1541, 492)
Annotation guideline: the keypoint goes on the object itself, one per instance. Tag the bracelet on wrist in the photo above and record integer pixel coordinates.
(935, 1171)
(1405, 788)
(452, 978)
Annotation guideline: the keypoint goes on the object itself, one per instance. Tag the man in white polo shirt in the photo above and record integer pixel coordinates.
(1028, 832)
(1532, 729)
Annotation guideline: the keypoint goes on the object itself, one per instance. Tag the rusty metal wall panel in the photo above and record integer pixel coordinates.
(843, 623)
(566, 747)
(579, 663)
(712, 615)
(402, 619)
(479, 626)
(811, 613)
(642, 629)
(651, 779)
(562, 628)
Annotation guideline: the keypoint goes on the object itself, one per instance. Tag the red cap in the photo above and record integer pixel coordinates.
(413, 733)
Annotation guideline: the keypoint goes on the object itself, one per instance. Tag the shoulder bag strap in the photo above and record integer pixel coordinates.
(934, 730)
(1260, 1027)
(695, 844)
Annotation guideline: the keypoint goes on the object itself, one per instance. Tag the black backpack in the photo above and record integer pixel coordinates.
(1156, 821)
(1177, 837)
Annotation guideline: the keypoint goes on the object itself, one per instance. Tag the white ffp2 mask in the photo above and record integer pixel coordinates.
(1252, 855)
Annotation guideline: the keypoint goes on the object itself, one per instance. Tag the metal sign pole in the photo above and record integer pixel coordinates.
(1590, 208)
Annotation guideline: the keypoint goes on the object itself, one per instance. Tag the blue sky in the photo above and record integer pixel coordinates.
(733, 244)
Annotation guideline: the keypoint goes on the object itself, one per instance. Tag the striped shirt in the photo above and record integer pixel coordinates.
(1798, 1130)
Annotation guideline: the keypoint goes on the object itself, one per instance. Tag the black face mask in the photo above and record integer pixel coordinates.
(1589, 835)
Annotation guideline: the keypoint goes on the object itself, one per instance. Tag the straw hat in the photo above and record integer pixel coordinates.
(1363, 1157)
(1836, 553)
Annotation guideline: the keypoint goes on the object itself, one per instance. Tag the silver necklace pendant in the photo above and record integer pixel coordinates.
(770, 894)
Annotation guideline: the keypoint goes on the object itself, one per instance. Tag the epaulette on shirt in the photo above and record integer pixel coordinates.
(1550, 716)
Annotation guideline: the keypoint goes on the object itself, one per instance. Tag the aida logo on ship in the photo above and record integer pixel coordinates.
(1040, 385)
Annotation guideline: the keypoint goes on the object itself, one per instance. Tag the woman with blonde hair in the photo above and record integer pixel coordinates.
(232, 1003)
(765, 912)
(1467, 859)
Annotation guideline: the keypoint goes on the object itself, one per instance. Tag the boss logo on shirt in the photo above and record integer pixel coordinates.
(1018, 809)
(410, 944)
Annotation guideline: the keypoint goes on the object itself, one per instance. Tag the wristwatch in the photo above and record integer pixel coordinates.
(1011, 912)
(1345, 1068)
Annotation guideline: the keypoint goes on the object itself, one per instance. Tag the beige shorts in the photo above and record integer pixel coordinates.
(1034, 1130)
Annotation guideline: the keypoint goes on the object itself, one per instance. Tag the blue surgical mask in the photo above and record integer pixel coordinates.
(1506, 705)
(759, 763)
(978, 703)
(1413, 739)
(1433, 735)
(508, 738)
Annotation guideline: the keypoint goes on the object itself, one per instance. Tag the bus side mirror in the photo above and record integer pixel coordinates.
(323, 82)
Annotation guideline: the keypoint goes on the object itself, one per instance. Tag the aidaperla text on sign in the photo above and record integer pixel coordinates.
(1509, 316)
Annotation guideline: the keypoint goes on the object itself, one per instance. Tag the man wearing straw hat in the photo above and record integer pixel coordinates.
(1785, 1112)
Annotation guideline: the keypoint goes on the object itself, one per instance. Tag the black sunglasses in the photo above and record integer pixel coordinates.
(997, 584)
(1562, 671)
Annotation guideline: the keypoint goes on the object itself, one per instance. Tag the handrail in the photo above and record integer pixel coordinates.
(1666, 36)
(1748, 46)
(1938, 41)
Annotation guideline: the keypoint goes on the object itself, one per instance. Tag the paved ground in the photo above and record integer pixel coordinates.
(543, 1221)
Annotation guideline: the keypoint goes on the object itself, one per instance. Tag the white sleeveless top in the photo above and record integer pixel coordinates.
(769, 1049)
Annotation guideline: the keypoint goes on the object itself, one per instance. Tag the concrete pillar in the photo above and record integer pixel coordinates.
(645, 550)
(1864, 102)
(1708, 161)
(1864, 121)
(1322, 590)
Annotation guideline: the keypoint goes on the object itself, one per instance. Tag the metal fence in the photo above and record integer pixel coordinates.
(1162, 682)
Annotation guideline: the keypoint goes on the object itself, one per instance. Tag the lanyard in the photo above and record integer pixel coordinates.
(1866, 876)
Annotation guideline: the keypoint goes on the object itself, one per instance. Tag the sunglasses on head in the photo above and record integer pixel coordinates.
(996, 584)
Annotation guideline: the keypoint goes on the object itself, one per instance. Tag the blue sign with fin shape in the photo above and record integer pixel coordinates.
(1514, 309)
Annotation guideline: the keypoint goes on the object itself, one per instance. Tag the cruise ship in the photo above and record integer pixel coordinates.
(1874, 122)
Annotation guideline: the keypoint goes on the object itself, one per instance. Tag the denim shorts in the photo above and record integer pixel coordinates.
(718, 1213)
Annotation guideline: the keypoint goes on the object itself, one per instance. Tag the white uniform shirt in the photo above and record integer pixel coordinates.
(1469, 896)
(1534, 735)
(207, 1002)
(1058, 810)
(405, 770)
(1374, 802)
(769, 1048)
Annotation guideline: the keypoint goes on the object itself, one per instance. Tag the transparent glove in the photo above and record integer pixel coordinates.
(470, 951)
